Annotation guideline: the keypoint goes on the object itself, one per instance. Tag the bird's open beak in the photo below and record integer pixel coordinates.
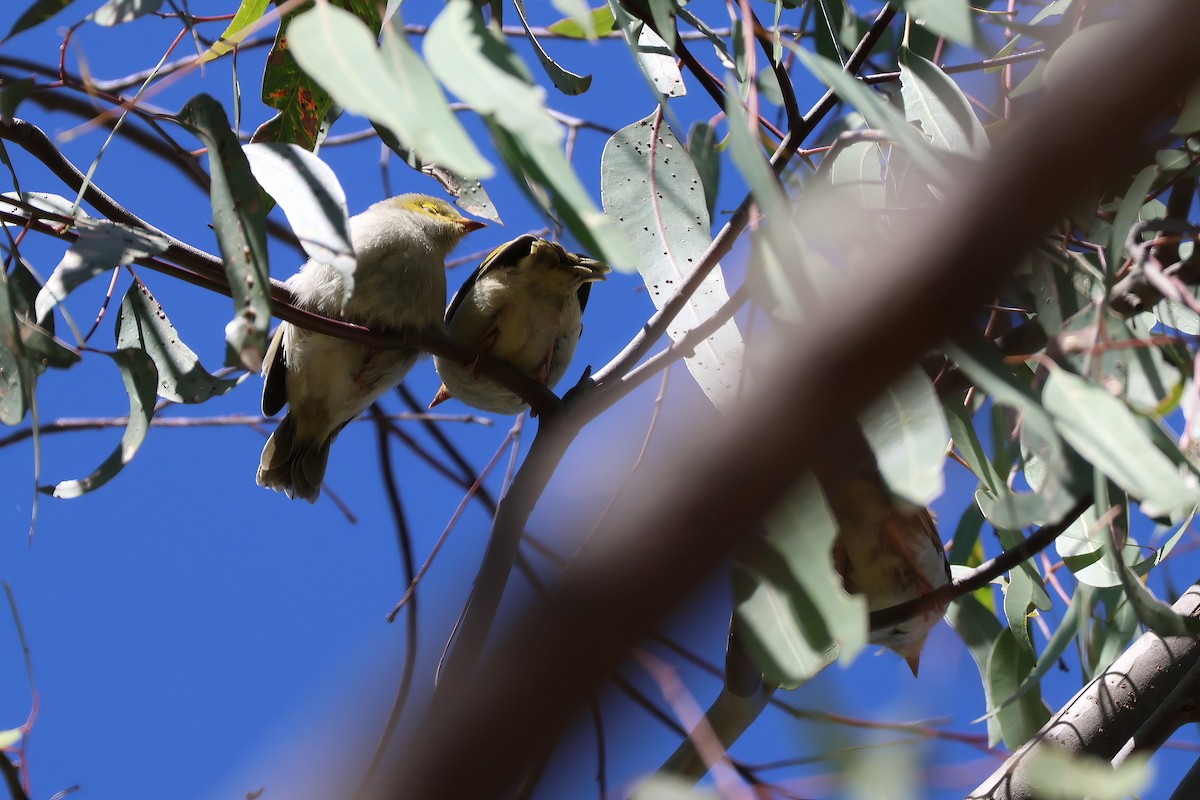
(469, 225)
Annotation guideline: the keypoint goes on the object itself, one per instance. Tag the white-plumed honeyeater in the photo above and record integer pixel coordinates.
(401, 246)
(524, 306)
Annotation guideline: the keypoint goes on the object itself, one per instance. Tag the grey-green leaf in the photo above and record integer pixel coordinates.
(14, 401)
(1008, 665)
(934, 101)
(1107, 434)
(143, 325)
(563, 79)
(37, 13)
(239, 220)
(949, 18)
(101, 246)
(481, 69)
(311, 197)
(115, 12)
(391, 86)
(702, 146)
(1059, 775)
(652, 189)
(137, 370)
(468, 193)
(907, 431)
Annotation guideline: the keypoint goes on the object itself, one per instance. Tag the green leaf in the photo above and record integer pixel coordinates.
(1127, 213)
(15, 384)
(663, 14)
(1107, 434)
(545, 166)
(962, 432)
(143, 325)
(563, 79)
(41, 348)
(248, 13)
(44, 201)
(1011, 510)
(1059, 775)
(878, 114)
(101, 246)
(390, 86)
(115, 12)
(720, 48)
(576, 26)
(239, 220)
(312, 199)
(480, 68)
(979, 630)
(1082, 548)
(907, 431)
(11, 95)
(652, 189)
(857, 170)
(36, 14)
(1055, 648)
(468, 193)
(790, 596)
(1189, 117)
(949, 18)
(704, 150)
(137, 370)
(670, 787)
(934, 101)
(657, 62)
(1007, 667)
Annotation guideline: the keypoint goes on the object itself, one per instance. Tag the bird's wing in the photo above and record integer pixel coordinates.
(505, 254)
(275, 372)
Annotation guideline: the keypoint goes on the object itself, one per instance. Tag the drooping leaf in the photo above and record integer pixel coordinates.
(1082, 548)
(248, 13)
(1007, 667)
(907, 431)
(797, 616)
(14, 401)
(11, 95)
(116, 12)
(563, 79)
(878, 114)
(658, 63)
(140, 377)
(856, 170)
(720, 48)
(1059, 775)
(556, 187)
(311, 197)
(468, 193)
(703, 147)
(935, 102)
(480, 68)
(43, 201)
(101, 246)
(1107, 434)
(41, 348)
(38, 12)
(1127, 213)
(966, 440)
(650, 186)
(979, 630)
(143, 325)
(239, 220)
(949, 18)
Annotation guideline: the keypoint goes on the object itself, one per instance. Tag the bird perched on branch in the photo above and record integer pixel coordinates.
(889, 554)
(401, 246)
(523, 305)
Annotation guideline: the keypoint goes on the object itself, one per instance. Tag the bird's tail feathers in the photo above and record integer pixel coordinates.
(293, 464)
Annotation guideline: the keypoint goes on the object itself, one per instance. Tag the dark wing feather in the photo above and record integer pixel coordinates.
(275, 373)
(584, 293)
(504, 255)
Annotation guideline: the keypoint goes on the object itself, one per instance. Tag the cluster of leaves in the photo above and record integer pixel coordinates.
(1074, 388)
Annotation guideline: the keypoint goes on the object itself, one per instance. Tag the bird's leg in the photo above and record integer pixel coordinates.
(485, 344)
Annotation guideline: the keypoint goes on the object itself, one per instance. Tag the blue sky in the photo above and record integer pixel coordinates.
(193, 635)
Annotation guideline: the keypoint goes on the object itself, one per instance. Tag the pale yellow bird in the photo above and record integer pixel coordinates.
(524, 306)
(401, 246)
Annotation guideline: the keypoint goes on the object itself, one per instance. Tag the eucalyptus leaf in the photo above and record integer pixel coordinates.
(563, 79)
(1007, 667)
(311, 197)
(705, 152)
(101, 246)
(15, 384)
(391, 86)
(979, 630)
(1059, 775)
(116, 12)
(239, 219)
(600, 21)
(248, 13)
(1127, 213)
(468, 193)
(143, 325)
(578, 12)
(140, 377)
(43, 201)
(38, 12)
(658, 63)
(934, 101)
(651, 188)
(949, 18)
(1106, 433)
(907, 431)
